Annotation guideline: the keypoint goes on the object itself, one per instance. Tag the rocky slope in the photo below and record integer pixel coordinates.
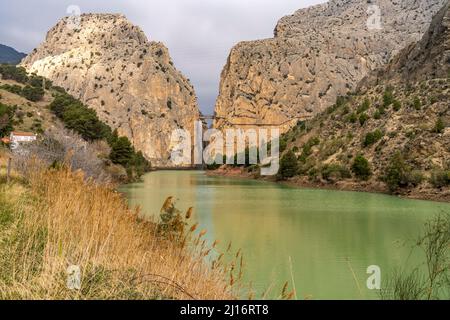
(317, 54)
(109, 64)
(399, 121)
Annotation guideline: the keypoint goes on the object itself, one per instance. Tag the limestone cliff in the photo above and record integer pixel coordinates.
(398, 120)
(317, 54)
(109, 64)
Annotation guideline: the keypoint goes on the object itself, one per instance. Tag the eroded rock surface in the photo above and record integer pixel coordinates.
(109, 64)
(317, 54)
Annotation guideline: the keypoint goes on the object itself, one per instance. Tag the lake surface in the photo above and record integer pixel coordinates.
(330, 237)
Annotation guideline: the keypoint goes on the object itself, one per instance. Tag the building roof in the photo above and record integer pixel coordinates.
(22, 134)
(5, 140)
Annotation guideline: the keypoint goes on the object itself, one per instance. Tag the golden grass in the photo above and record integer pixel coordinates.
(61, 220)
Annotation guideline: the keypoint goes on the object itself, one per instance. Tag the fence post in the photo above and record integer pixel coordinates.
(8, 171)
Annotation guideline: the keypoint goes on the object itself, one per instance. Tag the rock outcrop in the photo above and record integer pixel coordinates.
(317, 54)
(109, 64)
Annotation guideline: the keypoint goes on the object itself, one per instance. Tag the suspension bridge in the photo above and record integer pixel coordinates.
(258, 123)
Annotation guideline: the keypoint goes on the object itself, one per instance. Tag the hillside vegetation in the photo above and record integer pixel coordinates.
(53, 114)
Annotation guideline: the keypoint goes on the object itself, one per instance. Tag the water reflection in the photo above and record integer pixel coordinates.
(326, 234)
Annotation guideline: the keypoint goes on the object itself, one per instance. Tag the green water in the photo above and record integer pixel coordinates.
(330, 237)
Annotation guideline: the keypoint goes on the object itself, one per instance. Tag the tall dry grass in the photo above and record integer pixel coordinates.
(61, 219)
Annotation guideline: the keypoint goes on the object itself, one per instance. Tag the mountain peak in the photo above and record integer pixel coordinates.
(108, 63)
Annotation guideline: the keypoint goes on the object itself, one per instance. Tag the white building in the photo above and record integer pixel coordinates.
(17, 137)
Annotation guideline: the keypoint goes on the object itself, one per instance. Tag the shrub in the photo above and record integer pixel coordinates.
(288, 166)
(283, 144)
(6, 119)
(10, 72)
(397, 105)
(38, 82)
(363, 118)
(396, 173)
(332, 172)
(415, 178)
(84, 121)
(372, 137)
(121, 152)
(307, 148)
(12, 88)
(28, 92)
(352, 118)
(79, 118)
(417, 104)
(439, 127)
(364, 106)
(377, 115)
(388, 97)
(32, 93)
(440, 178)
(361, 168)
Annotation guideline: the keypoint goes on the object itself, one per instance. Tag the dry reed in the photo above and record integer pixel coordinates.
(63, 219)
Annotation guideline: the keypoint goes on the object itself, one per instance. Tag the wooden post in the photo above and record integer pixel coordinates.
(8, 171)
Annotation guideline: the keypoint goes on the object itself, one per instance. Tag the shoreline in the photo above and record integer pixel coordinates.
(425, 194)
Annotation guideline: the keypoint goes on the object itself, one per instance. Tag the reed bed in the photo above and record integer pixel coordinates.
(56, 218)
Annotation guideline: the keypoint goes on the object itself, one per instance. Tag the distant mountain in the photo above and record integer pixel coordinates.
(10, 55)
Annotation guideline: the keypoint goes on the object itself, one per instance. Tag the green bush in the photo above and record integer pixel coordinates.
(307, 148)
(415, 178)
(121, 151)
(288, 166)
(372, 138)
(28, 92)
(364, 106)
(388, 97)
(79, 118)
(11, 72)
(396, 173)
(363, 118)
(439, 127)
(38, 82)
(417, 104)
(283, 144)
(352, 118)
(332, 172)
(84, 121)
(6, 119)
(397, 105)
(361, 168)
(377, 115)
(32, 93)
(12, 88)
(400, 175)
(440, 178)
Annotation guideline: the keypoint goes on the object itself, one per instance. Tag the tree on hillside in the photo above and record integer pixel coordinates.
(6, 120)
(361, 168)
(288, 166)
(122, 152)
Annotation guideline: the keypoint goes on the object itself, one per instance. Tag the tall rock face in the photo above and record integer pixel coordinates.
(317, 54)
(109, 64)
(427, 59)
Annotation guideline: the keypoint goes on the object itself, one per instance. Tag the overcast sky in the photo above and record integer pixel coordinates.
(198, 33)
